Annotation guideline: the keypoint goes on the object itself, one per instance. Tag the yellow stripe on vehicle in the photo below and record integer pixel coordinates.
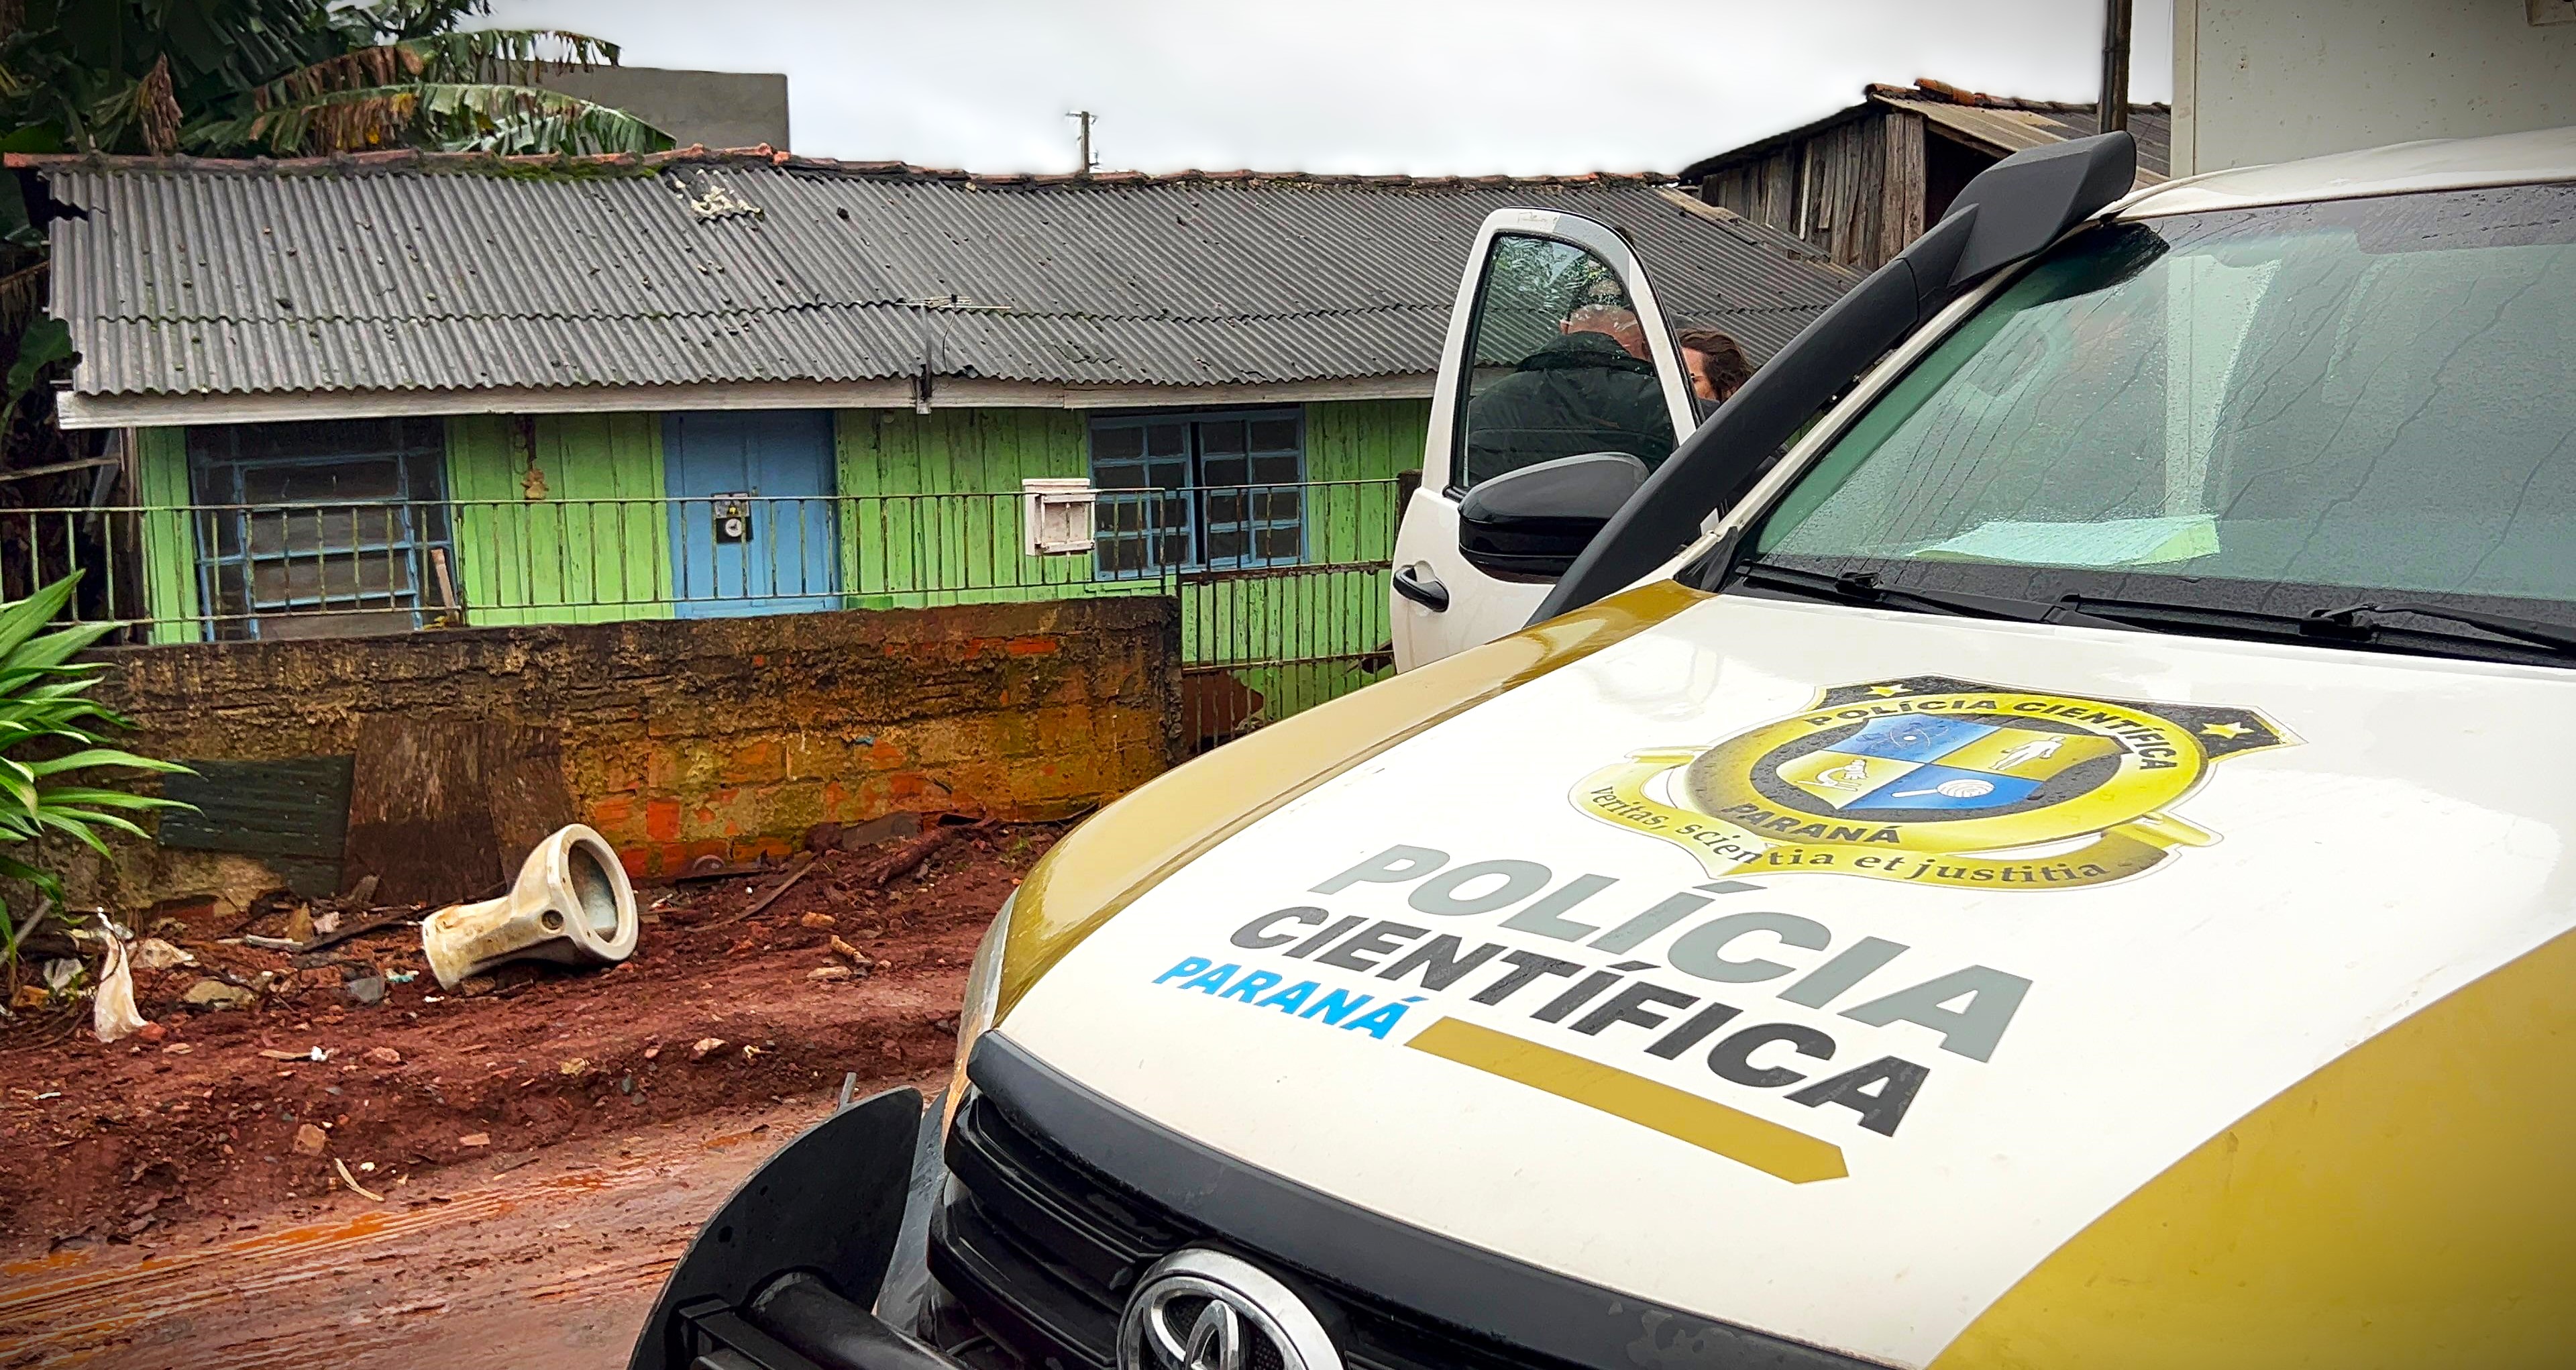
(1758, 1142)
(2412, 1204)
(1109, 862)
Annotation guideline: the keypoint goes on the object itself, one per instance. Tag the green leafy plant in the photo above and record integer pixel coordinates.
(46, 340)
(470, 91)
(45, 709)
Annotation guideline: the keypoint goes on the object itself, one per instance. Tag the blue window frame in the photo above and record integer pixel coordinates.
(1198, 491)
(324, 529)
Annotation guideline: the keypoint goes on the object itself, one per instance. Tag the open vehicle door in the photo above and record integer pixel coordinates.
(1560, 390)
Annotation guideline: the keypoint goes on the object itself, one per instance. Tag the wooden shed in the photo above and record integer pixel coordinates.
(1863, 182)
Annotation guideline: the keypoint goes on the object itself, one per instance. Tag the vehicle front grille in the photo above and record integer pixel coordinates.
(1042, 1252)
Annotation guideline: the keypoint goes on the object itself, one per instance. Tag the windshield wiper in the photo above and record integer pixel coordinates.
(2335, 625)
(2529, 630)
(1864, 587)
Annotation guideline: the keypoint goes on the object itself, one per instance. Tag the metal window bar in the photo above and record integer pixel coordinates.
(286, 549)
(1296, 620)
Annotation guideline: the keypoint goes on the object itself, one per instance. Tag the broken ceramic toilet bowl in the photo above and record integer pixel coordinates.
(572, 905)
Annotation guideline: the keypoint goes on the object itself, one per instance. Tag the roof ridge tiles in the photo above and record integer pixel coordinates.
(924, 306)
(415, 159)
(1926, 89)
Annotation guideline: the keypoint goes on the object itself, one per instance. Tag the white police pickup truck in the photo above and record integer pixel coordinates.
(2069, 866)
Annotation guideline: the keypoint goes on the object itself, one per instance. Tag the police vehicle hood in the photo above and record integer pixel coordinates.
(1937, 991)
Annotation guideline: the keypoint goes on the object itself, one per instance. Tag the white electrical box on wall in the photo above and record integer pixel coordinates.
(1055, 512)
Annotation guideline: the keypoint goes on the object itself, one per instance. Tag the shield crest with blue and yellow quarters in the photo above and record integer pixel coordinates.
(1938, 780)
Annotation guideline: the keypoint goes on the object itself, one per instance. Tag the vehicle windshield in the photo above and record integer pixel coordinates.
(2284, 409)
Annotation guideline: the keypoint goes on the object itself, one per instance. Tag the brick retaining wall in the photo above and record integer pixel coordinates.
(689, 738)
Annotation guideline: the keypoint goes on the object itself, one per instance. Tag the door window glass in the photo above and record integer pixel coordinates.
(1558, 365)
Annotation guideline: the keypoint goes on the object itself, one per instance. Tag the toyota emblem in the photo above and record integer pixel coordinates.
(1204, 1310)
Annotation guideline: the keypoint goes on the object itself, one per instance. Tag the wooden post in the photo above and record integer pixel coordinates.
(1090, 163)
(2113, 111)
(1902, 211)
(442, 807)
(420, 813)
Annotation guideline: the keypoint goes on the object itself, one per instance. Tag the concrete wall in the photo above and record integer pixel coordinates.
(686, 738)
(2260, 81)
(717, 108)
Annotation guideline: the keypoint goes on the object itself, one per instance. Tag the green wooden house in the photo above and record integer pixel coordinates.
(403, 391)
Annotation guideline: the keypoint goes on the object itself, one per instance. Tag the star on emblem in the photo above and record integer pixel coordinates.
(2230, 731)
(1884, 690)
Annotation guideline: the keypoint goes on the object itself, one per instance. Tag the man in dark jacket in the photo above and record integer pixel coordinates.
(1591, 390)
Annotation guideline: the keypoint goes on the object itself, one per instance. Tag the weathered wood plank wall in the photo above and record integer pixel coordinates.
(1854, 189)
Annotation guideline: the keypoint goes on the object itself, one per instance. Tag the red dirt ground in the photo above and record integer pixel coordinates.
(139, 1143)
(544, 1260)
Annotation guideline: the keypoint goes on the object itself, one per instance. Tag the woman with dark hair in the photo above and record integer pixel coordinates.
(1716, 361)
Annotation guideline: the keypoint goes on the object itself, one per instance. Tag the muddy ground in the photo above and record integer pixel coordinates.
(228, 1123)
(546, 1262)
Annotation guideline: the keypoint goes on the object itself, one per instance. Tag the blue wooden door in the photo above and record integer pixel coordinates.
(752, 527)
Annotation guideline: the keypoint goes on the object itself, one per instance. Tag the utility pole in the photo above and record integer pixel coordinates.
(2113, 112)
(1090, 163)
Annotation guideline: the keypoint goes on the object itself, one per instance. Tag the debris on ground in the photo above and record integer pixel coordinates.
(546, 913)
(310, 1140)
(715, 1012)
(213, 993)
(351, 1181)
(154, 954)
(859, 960)
(775, 891)
(112, 1015)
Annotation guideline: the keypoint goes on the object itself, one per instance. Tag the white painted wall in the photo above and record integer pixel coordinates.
(2268, 80)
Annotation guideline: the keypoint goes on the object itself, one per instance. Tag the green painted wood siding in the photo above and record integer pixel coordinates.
(1361, 440)
(169, 548)
(931, 515)
(555, 559)
(939, 507)
(934, 513)
(1318, 625)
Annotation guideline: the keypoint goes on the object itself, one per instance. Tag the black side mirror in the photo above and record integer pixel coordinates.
(1532, 523)
(2010, 211)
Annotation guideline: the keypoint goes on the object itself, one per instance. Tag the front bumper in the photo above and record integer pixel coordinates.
(1048, 1204)
(794, 1270)
(796, 1322)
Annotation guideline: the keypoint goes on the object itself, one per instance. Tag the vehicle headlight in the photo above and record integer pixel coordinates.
(975, 1012)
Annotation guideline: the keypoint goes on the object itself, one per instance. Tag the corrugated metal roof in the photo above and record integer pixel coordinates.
(2001, 123)
(2010, 126)
(438, 272)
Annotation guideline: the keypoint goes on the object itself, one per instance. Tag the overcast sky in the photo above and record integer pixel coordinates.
(1473, 86)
